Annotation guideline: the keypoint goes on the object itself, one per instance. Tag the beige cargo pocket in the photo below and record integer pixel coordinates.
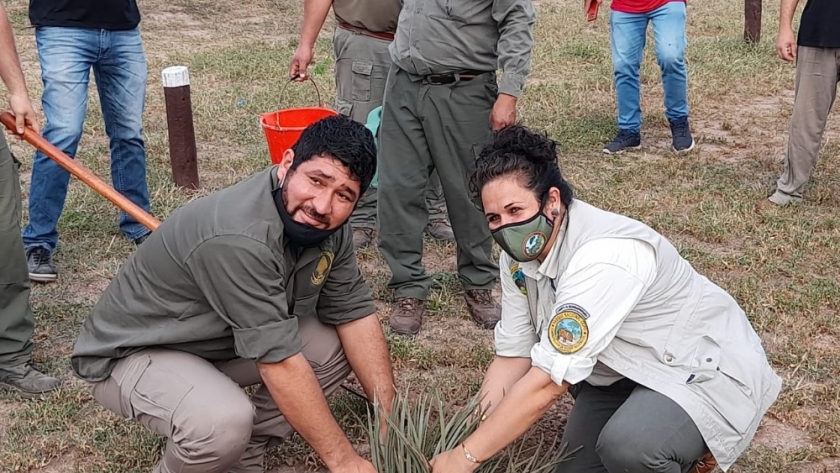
(152, 394)
(126, 373)
(361, 81)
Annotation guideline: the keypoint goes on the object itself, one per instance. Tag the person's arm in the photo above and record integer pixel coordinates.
(527, 401)
(501, 375)
(513, 337)
(515, 19)
(295, 389)
(346, 302)
(603, 283)
(367, 351)
(786, 41)
(314, 14)
(243, 282)
(12, 75)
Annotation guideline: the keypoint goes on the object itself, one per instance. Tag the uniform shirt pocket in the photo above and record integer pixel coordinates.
(714, 376)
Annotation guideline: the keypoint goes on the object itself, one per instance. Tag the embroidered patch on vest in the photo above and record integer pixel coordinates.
(322, 268)
(568, 331)
(518, 278)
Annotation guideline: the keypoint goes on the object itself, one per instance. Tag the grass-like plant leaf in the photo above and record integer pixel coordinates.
(419, 429)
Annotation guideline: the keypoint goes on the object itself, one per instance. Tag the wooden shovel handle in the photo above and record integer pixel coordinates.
(81, 173)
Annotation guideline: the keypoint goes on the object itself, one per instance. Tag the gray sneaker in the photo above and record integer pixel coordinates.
(41, 268)
(27, 381)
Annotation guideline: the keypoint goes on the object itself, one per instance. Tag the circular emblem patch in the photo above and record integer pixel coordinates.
(568, 331)
(322, 268)
(533, 244)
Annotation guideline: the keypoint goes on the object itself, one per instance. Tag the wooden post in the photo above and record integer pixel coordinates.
(179, 120)
(752, 21)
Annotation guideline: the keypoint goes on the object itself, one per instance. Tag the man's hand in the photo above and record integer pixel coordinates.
(358, 465)
(300, 62)
(504, 112)
(452, 461)
(23, 112)
(786, 44)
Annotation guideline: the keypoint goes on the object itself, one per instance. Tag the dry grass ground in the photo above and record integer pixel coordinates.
(782, 266)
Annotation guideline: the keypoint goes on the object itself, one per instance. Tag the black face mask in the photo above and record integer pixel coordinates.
(300, 234)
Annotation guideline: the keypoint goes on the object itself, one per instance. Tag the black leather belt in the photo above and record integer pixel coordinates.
(443, 79)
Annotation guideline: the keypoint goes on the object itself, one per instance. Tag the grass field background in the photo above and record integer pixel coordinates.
(781, 265)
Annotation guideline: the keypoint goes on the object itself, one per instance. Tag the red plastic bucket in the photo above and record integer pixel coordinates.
(283, 127)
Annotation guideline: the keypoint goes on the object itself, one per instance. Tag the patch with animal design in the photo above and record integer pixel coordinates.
(568, 331)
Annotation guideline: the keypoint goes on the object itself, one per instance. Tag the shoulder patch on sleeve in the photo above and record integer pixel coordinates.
(322, 268)
(568, 331)
(518, 278)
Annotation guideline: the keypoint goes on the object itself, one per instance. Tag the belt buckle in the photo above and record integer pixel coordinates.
(440, 79)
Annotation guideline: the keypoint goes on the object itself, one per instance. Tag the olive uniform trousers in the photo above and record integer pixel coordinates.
(361, 66)
(16, 320)
(426, 127)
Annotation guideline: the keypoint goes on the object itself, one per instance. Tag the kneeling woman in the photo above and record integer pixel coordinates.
(667, 373)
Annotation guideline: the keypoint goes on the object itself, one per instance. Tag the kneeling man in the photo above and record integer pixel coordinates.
(256, 284)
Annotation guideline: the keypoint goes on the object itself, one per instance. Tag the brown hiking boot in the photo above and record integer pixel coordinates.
(484, 310)
(407, 317)
(362, 237)
(27, 381)
(706, 465)
(440, 229)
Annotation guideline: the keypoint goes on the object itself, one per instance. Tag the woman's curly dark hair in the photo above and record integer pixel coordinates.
(530, 156)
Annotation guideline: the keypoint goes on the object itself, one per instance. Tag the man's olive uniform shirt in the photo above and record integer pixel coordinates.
(372, 15)
(219, 279)
(449, 36)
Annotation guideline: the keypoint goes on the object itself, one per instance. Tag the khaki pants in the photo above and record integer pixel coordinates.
(361, 68)
(427, 127)
(211, 424)
(817, 76)
(16, 320)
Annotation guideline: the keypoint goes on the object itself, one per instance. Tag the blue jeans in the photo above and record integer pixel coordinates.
(628, 33)
(119, 67)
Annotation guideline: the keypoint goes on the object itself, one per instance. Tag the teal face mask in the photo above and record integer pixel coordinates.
(524, 241)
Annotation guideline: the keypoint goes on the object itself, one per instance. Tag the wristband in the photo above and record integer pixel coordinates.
(469, 455)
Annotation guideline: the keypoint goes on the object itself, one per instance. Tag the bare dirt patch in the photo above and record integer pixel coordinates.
(774, 434)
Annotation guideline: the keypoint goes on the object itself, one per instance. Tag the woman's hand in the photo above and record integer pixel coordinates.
(453, 461)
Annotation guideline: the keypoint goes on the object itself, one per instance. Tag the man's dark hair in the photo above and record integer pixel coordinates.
(530, 157)
(341, 138)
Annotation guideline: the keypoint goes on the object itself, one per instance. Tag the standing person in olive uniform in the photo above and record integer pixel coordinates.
(441, 102)
(16, 320)
(254, 284)
(360, 49)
